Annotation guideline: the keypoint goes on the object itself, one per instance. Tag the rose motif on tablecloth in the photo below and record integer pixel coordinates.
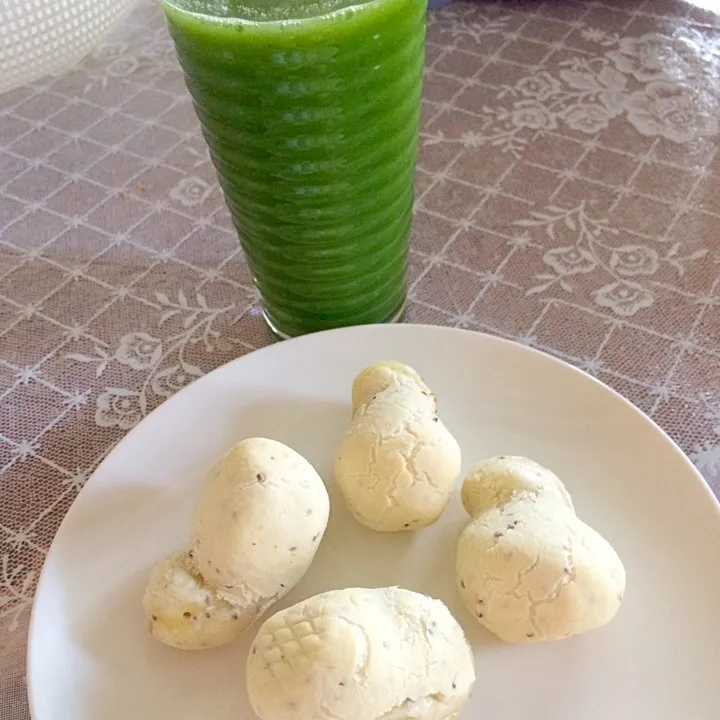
(532, 115)
(623, 298)
(139, 350)
(642, 79)
(190, 191)
(589, 118)
(592, 87)
(117, 407)
(539, 86)
(648, 57)
(174, 378)
(570, 260)
(673, 111)
(632, 260)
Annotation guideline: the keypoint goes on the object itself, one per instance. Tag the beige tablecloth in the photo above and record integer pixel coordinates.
(568, 196)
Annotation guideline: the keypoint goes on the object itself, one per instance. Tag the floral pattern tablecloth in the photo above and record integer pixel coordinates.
(568, 197)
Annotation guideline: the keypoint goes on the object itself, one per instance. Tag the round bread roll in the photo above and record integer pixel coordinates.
(527, 567)
(397, 464)
(381, 654)
(258, 523)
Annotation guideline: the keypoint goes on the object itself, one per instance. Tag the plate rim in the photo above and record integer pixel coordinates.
(279, 346)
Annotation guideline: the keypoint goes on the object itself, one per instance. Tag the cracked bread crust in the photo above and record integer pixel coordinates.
(527, 567)
(397, 465)
(493, 482)
(379, 377)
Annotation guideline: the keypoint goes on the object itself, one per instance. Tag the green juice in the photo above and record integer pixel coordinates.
(311, 111)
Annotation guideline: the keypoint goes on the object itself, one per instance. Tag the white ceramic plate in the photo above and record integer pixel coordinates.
(91, 657)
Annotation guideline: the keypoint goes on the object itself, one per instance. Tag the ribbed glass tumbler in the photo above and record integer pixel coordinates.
(311, 111)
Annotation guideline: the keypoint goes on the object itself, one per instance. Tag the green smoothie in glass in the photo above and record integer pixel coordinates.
(311, 111)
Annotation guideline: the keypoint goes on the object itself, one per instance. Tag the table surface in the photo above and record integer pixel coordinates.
(568, 197)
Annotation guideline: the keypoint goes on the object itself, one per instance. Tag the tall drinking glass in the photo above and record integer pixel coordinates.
(310, 109)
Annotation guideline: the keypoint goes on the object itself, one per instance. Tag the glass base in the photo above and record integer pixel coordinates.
(279, 335)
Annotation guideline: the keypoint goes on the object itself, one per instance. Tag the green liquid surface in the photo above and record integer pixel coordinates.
(311, 111)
